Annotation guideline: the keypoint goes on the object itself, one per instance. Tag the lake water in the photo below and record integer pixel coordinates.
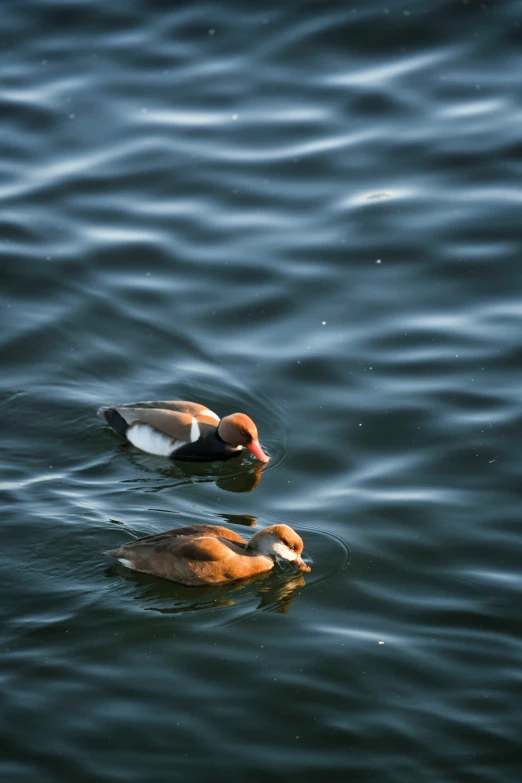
(309, 212)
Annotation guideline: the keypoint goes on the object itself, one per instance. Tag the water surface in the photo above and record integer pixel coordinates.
(309, 212)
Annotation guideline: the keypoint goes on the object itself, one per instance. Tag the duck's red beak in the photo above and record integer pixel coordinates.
(257, 451)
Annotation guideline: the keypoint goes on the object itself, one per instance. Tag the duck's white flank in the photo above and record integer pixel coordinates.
(210, 414)
(194, 431)
(125, 562)
(150, 440)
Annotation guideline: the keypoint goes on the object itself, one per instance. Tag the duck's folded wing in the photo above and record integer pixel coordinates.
(150, 555)
(200, 412)
(206, 549)
(178, 406)
(215, 531)
(177, 419)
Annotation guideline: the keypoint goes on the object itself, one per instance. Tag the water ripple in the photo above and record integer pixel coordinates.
(309, 213)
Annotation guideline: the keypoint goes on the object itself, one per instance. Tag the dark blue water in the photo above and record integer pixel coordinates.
(311, 212)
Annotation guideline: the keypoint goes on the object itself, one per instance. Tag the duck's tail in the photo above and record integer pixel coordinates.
(111, 417)
(111, 553)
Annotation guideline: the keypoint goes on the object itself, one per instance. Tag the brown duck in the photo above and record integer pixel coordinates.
(183, 430)
(208, 554)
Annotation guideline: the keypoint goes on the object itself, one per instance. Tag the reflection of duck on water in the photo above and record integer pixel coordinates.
(247, 520)
(199, 555)
(181, 473)
(276, 593)
(240, 481)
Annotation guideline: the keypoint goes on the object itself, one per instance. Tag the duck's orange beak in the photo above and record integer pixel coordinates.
(301, 565)
(257, 451)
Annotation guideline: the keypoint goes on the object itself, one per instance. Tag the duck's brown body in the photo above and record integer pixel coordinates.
(183, 430)
(208, 554)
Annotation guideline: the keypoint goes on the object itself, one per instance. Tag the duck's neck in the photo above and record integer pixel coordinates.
(260, 545)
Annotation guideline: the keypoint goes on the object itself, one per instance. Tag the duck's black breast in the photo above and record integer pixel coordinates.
(207, 448)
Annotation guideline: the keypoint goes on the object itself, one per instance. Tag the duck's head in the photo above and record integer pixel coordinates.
(280, 541)
(239, 430)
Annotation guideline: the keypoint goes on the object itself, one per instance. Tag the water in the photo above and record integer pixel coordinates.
(309, 212)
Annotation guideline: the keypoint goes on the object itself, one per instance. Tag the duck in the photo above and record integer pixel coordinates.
(199, 555)
(183, 430)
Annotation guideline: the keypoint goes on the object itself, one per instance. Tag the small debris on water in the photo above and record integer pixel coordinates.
(378, 261)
